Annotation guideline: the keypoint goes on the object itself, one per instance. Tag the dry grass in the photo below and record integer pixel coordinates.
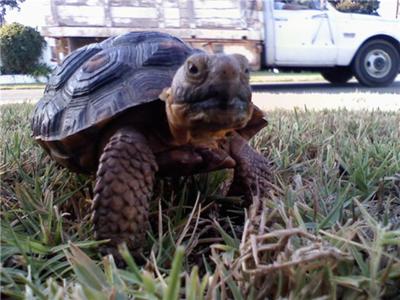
(329, 228)
(32, 86)
(268, 76)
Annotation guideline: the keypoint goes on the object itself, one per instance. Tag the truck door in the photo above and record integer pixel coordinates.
(303, 34)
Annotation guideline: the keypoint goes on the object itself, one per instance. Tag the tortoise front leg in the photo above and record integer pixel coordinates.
(252, 172)
(124, 184)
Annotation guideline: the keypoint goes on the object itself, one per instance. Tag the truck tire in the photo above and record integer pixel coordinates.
(377, 63)
(337, 75)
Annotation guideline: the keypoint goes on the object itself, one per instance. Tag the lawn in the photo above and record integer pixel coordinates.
(328, 229)
(32, 86)
(268, 76)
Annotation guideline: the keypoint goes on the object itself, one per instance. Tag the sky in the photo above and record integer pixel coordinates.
(33, 12)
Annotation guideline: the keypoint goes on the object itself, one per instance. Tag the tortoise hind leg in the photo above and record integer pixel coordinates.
(124, 184)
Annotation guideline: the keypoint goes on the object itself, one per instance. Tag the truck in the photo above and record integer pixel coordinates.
(313, 35)
(286, 35)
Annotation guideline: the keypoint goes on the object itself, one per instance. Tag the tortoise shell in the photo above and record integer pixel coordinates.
(99, 82)
(103, 86)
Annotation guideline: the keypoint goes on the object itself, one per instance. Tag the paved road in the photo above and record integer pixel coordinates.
(322, 95)
(325, 88)
(19, 96)
(313, 95)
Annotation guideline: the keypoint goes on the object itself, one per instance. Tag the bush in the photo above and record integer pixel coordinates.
(369, 7)
(21, 48)
(41, 69)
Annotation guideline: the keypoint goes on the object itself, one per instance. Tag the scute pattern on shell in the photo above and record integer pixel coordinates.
(97, 82)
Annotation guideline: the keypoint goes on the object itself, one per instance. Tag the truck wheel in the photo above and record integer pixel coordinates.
(377, 63)
(337, 75)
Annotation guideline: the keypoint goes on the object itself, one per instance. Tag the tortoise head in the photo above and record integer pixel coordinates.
(210, 96)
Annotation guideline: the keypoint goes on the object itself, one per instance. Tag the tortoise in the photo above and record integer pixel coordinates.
(144, 104)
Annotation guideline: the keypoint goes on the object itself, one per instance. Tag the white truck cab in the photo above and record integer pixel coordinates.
(313, 35)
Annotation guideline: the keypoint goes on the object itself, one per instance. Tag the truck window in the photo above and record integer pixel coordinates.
(297, 4)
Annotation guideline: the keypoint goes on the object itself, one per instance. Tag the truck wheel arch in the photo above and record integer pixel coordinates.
(376, 59)
(384, 37)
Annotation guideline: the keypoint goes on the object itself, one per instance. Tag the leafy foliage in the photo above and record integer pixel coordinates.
(4, 4)
(369, 7)
(21, 47)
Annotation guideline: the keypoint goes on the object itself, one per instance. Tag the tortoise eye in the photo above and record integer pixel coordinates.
(244, 63)
(196, 67)
(193, 69)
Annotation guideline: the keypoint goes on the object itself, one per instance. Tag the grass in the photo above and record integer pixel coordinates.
(268, 76)
(329, 228)
(30, 86)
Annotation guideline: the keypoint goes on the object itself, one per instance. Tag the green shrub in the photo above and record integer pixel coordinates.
(20, 47)
(369, 7)
(41, 69)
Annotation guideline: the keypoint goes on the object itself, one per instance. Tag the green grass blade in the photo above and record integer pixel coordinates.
(173, 288)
